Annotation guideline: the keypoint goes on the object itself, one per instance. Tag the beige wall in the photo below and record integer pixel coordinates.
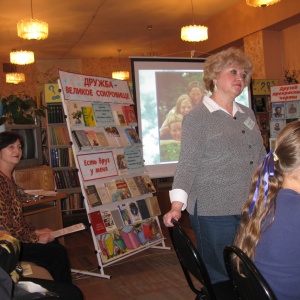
(269, 35)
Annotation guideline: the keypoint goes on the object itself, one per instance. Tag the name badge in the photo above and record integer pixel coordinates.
(249, 123)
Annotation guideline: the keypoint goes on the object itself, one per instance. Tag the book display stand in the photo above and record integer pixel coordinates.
(118, 192)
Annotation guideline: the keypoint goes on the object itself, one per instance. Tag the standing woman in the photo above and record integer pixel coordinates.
(37, 246)
(221, 146)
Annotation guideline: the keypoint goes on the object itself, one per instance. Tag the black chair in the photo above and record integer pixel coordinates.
(192, 264)
(249, 284)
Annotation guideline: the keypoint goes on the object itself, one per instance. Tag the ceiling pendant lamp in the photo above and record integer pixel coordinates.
(194, 33)
(120, 75)
(15, 78)
(32, 29)
(21, 57)
(261, 3)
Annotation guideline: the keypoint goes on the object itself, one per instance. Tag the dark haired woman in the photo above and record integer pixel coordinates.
(37, 245)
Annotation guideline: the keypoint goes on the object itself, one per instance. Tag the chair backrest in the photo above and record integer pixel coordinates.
(190, 261)
(248, 281)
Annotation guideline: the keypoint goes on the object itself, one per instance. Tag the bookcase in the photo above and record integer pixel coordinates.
(118, 192)
(61, 160)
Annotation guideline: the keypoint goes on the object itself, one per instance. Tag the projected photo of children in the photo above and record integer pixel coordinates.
(177, 94)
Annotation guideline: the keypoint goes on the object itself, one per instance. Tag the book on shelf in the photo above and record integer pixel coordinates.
(101, 135)
(153, 206)
(125, 142)
(118, 190)
(93, 196)
(129, 114)
(103, 114)
(129, 235)
(141, 203)
(125, 213)
(112, 134)
(55, 113)
(75, 115)
(88, 115)
(111, 244)
(119, 118)
(149, 184)
(81, 139)
(123, 188)
(93, 138)
(133, 188)
(141, 185)
(97, 222)
(133, 137)
(103, 194)
(134, 211)
(120, 161)
(76, 201)
(108, 220)
(117, 218)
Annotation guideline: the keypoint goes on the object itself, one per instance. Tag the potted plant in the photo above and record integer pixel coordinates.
(18, 109)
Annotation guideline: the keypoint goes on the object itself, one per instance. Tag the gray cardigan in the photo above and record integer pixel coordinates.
(218, 156)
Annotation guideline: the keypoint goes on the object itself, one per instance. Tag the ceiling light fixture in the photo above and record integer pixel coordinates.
(32, 29)
(15, 78)
(261, 3)
(121, 75)
(194, 33)
(21, 57)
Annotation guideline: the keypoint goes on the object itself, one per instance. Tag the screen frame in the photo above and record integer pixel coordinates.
(163, 169)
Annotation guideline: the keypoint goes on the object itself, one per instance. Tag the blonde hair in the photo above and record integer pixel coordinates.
(287, 150)
(214, 64)
(180, 99)
(173, 118)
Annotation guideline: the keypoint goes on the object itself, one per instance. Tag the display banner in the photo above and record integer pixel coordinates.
(282, 93)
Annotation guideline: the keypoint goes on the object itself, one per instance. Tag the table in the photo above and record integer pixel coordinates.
(45, 212)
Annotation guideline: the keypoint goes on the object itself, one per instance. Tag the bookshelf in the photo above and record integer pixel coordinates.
(118, 192)
(61, 160)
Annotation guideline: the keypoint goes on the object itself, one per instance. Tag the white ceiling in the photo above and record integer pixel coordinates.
(97, 28)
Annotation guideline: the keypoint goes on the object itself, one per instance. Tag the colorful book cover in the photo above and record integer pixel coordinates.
(125, 213)
(97, 222)
(103, 194)
(120, 161)
(124, 138)
(92, 195)
(75, 115)
(113, 191)
(133, 188)
(101, 136)
(119, 118)
(123, 188)
(81, 140)
(103, 114)
(129, 114)
(88, 115)
(112, 134)
(149, 184)
(141, 185)
(108, 220)
(133, 137)
(93, 138)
